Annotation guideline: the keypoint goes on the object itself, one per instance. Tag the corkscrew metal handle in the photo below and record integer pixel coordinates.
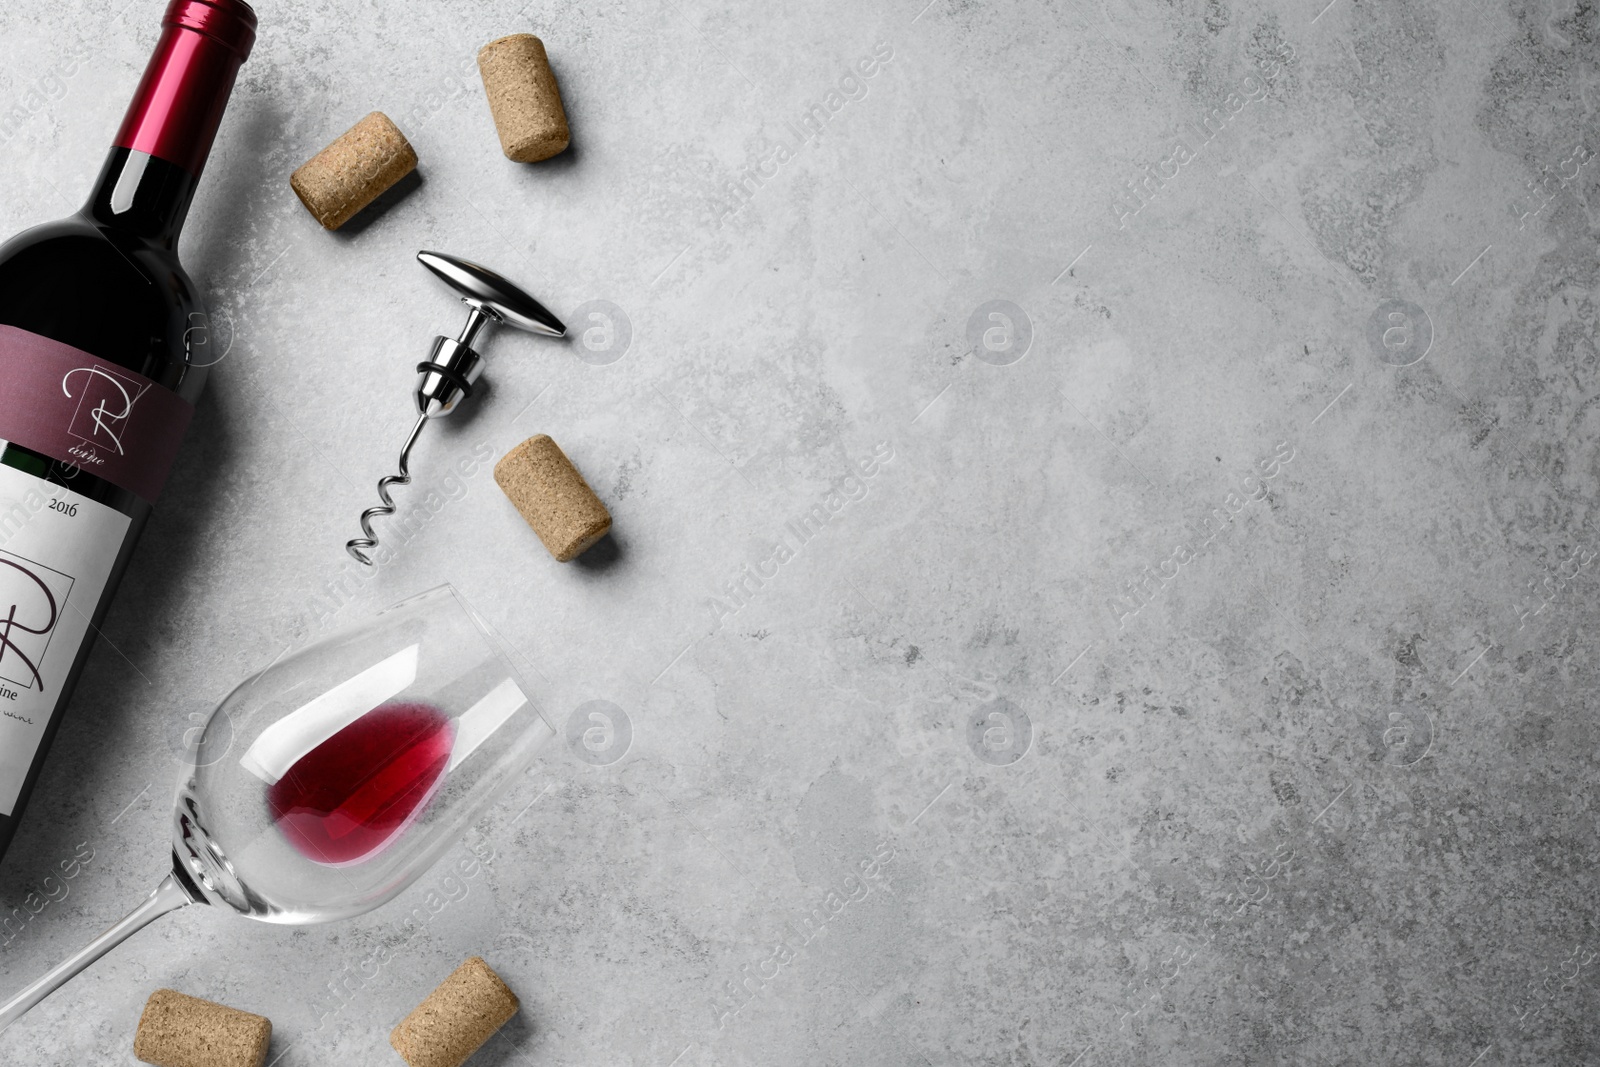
(451, 371)
(482, 288)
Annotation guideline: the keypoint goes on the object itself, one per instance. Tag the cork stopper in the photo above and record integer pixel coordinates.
(456, 1019)
(524, 98)
(183, 1031)
(353, 171)
(544, 485)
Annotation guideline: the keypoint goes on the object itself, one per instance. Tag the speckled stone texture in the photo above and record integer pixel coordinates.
(1105, 552)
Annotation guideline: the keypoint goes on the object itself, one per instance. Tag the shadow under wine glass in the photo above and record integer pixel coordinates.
(349, 767)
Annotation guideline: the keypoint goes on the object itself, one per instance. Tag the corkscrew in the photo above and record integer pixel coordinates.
(453, 366)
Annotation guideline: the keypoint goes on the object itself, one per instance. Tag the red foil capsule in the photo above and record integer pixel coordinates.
(178, 107)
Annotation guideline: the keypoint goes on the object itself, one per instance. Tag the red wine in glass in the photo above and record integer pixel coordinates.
(324, 793)
(358, 790)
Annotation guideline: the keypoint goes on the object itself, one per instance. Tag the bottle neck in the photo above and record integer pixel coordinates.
(149, 179)
(143, 195)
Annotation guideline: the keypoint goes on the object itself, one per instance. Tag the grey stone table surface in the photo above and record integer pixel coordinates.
(1104, 522)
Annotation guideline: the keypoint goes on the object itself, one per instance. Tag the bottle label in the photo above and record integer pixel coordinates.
(57, 548)
(107, 420)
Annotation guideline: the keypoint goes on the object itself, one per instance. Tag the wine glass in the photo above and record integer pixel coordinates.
(329, 782)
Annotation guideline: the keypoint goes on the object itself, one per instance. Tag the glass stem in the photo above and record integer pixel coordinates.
(170, 895)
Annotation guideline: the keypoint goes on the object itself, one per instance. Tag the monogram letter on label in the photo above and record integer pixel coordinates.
(31, 597)
(103, 409)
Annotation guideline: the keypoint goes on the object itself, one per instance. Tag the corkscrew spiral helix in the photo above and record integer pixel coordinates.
(360, 546)
(453, 367)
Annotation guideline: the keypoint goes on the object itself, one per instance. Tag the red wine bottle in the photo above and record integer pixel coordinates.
(102, 357)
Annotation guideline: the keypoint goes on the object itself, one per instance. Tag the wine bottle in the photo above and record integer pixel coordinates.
(102, 356)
